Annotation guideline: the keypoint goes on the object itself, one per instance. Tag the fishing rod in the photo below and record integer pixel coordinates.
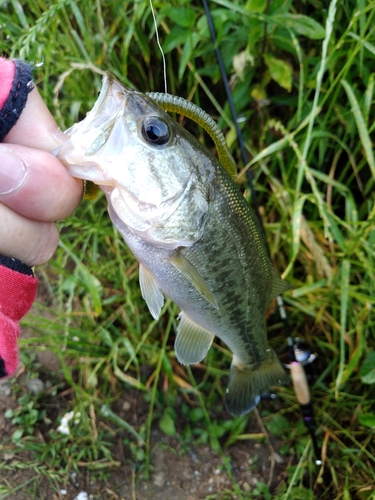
(298, 356)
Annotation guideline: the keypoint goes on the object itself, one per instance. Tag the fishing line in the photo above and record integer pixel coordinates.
(232, 109)
(297, 371)
(160, 48)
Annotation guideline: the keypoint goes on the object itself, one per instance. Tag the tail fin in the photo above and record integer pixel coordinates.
(246, 385)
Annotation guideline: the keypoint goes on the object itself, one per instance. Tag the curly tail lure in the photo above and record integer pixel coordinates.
(186, 108)
(90, 190)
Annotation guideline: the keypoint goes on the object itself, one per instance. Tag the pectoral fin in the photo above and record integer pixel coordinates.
(150, 291)
(191, 274)
(192, 341)
(278, 285)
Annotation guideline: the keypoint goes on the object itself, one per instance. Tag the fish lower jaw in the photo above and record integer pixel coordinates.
(86, 171)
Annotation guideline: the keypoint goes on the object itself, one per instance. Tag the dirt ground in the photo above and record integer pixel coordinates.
(188, 474)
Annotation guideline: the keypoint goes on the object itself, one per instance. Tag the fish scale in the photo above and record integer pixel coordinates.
(194, 235)
(237, 292)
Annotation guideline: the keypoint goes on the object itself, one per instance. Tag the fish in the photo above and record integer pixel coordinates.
(196, 238)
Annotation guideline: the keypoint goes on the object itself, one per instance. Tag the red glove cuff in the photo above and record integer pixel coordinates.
(7, 70)
(17, 289)
(17, 294)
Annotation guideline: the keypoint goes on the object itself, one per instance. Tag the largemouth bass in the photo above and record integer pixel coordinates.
(196, 238)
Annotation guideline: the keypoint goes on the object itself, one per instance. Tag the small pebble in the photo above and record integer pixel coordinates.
(246, 486)
(278, 459)
(82, 496)
(5, 388)
(35, 386)
(158, 479)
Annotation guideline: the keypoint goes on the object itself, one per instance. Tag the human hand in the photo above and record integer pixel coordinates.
(35, 188)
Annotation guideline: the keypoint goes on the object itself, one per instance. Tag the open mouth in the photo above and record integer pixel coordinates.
(89, 136)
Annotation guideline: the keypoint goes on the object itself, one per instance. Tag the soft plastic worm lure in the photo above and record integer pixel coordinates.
(186, 108)
(90, 190)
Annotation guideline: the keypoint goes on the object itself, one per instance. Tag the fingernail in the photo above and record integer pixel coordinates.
(13, 171)
(60, 136)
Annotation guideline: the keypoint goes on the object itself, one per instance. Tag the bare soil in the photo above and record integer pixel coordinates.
(177, 472)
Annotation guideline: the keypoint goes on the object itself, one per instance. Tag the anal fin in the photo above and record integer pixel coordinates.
(192, 342)
(150, 291)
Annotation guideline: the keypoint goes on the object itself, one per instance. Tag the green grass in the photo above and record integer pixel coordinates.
(304, 88)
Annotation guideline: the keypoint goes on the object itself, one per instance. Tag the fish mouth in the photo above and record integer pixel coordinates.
(62, 151)
(110, 88)
(89, 135)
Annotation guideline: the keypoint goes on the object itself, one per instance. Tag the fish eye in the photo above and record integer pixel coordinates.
(155, 131)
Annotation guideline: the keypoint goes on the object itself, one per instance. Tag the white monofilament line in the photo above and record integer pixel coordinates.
(161, 50)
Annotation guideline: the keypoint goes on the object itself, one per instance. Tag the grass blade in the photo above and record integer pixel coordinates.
(319, 79)
(361, 126)
(345, 279)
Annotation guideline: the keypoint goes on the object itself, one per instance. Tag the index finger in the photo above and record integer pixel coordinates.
(36, 127)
